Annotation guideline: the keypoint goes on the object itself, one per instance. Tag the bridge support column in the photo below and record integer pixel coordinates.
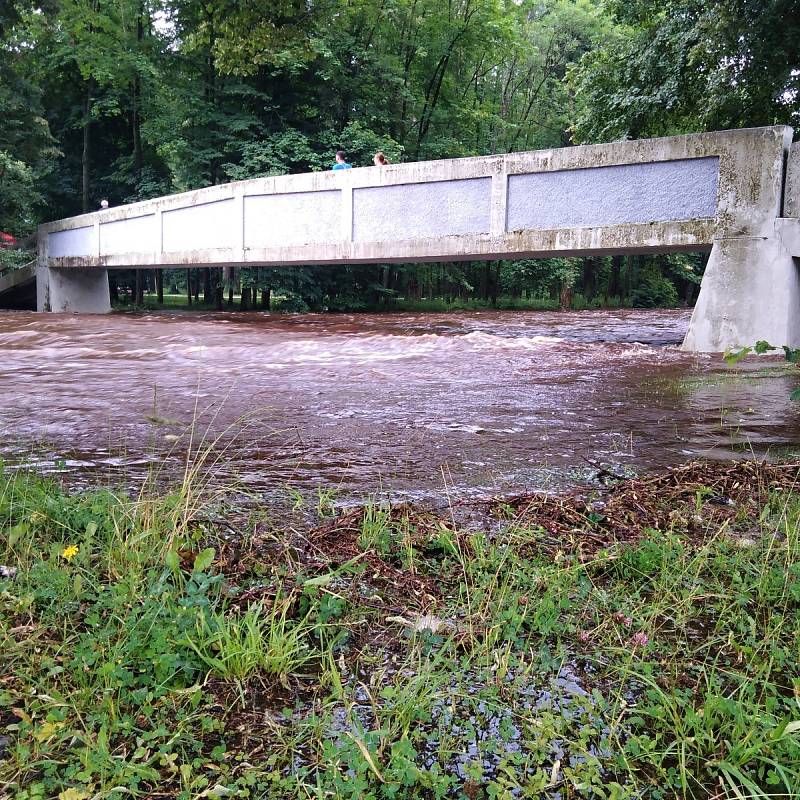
(72, 290)
(750, 292)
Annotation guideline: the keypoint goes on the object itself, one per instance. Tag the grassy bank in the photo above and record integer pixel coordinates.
(175, 302)
(641, 642)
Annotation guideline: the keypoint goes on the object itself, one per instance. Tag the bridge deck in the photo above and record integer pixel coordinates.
(637, 196)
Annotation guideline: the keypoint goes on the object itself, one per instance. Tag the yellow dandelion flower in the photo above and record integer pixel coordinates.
(69, 552)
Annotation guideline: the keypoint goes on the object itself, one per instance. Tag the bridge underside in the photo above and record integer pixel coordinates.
(18, 288)
(593, 245)
(722, 192)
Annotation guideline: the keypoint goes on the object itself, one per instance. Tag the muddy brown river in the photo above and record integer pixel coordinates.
(413, 404)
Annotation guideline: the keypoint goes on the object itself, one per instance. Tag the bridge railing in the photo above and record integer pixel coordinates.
(633, 196)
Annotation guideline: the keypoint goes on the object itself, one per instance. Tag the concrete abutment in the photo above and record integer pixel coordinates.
(72, 290)
(750, 292)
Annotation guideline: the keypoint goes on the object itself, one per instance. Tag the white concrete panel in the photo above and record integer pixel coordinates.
(73, 242)
(78, 291)
(134, 235)
(656, 192)
(750, 291)
(202, 227)
(299, 218)
(422, 210)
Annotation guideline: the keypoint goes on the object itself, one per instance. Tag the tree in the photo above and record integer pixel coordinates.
(687, 65)
(27, 150)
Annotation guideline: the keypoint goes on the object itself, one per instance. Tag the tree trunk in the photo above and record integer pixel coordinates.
(230, 271)
(589, 272)
(138, 295)
(113, 289)
(385, 280)
(136, 120)
(565, 297)
(87, 110)
(211, 81)
(613, 289)
(160, 285)
(189, 286)
(244, 304)
(219, 295)
(207, 295)
(485, 280)
(628, 282)
(266, 298)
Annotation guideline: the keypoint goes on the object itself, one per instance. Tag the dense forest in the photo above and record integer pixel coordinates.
(130, 99)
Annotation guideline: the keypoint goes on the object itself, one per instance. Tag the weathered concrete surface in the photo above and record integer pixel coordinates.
(77, 291)
(579, 198)
(791, 202)
(275, 220)
(788, 229)
(418, 211)
(720, 191)
(487, 207)
(750, 289)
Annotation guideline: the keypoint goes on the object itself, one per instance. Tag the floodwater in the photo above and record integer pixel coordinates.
(413, 404)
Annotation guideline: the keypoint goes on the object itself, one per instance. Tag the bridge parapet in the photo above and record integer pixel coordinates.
(672, 193)
(691, 192)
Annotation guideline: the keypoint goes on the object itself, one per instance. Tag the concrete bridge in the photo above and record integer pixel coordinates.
(735, 193)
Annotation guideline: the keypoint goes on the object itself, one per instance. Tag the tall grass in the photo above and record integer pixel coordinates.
(257, 641)
(135, 664)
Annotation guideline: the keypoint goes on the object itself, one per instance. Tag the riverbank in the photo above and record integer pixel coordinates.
(638, 641)
(281, 304)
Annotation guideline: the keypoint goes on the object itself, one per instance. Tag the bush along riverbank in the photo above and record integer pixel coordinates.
(639, 641)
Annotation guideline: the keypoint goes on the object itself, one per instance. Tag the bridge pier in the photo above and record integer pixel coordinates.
(751, 286)
(72, 290)
(750, 291)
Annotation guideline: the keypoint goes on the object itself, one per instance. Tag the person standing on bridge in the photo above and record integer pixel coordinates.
(341, 161)
(379, 159)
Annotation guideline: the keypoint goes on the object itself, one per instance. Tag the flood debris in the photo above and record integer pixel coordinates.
(386, 651)
(692, 498)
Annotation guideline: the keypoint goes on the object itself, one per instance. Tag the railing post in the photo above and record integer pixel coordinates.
(347, 211)
(499, 200)
(240, 228)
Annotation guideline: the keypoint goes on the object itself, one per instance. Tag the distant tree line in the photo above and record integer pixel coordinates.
(131, 99)
(639, 281)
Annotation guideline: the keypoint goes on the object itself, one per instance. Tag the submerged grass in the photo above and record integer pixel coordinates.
(639, 643)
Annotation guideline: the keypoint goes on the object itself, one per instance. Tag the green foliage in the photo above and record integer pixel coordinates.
(18, 194)
(259, 640)
(128, 100)
(133, 660)
(792, 355)
(656, 291)
(124, 640)
(14, 259)
(684, 66)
